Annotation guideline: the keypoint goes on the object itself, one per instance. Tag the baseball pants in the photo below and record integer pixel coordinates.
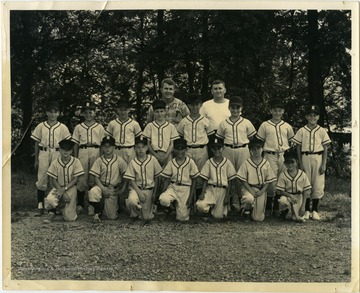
(284, 203)
(312, 165)
(200, 156)
(45, 159)
(127, 154)
(180, 194)
(69, 212)
(277, 165)
(111, 204)
(258, 204)
(236, 156)
(214, 199)
(87, 158)
(145, 211)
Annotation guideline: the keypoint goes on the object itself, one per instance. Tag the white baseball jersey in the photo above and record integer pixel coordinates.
(275, 135)
(195, 131)
(236, 133)
(293, 185)
(218, 174)
(110, 172)
(65, 172)
(256, 175)
(312, 140)
(50, 135)
(143, 172)
(181, 174)
(160, 135)
(89, 135)
(124, 132)
(215, 112)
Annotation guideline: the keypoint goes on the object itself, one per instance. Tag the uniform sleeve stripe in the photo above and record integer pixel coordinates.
(75, 140)
(252, 133)
(174, 137)
(280, 188)
(79, 173)
(195, 175)
(165, 175)
(35, 138)
(69, 136)
(296, 141)
(211, 132)
(232, 177)
(307, 187)
(157, 174)
(51, 174)
(129, 177)
(259, 137)
(271, 180)
(218, 135)
(94, 173)
(326, 142)
(204, 177)
(138, 134)
(241, 178)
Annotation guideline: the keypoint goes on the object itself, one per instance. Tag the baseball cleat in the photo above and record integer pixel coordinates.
(315, 216)
(39, 213)
(96, 218)
(91, 211)
(79, 210)
(50, 218)
(306, 215)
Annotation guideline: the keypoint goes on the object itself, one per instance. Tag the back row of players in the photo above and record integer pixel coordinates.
(174, 146)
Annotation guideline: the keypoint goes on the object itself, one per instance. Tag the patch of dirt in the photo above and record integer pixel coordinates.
(165, 250)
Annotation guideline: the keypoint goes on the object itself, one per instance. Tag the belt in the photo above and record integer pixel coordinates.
(48, 149)
(273, 153)
(296, 193)
(235, 146)
(218, 186)
(149, 188)
(84, 146)
(118, 147)
(196, 146)
(180, 184)
(311, 153)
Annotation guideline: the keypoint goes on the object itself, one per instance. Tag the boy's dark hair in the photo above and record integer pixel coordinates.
(168, 81)
(218, 81)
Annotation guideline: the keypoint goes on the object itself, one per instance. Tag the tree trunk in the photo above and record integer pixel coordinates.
(205, 56)
(160, 51)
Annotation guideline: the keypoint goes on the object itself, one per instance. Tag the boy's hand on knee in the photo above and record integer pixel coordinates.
(322, 169)
(142, 197)
(201, 197)
(66, 198)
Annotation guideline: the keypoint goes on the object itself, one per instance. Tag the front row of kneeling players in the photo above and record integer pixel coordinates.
(178, 187)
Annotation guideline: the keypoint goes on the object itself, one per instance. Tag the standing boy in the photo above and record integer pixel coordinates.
(217, 174)
(160, 134)
(142, 172)
(87, 137)
(294, 187)
(180, 172)
(47, 135)
(256, 175)
(124, 129)
(64, 173)
(175, 109)
(195, 129)
(312, 145)
(108, 171)
(276, 135)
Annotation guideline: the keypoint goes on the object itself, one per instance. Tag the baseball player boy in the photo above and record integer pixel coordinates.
(175, 109)
(124, 129)
(218, 173)
(312, 143)
(195, 129)
(276, 135)
(87, 137)
(142, 172)
(47, 135)
(293, 186)
(180, 185)
(108, 171)
(64, 173)
(160, 134)
(256, 175)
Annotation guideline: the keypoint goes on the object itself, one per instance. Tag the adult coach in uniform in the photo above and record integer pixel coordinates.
(175, 108)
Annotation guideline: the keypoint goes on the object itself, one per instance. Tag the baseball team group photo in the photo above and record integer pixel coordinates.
(181, 145)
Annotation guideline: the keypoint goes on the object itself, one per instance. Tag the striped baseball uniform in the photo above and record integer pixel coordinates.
(143, 173)
(256, 176)
(294, 185)
(110, 172)
(196, 132)
(181, 177)
(48, 137)
(236, 137)
(217, 175)
(124, 133)
(312, 143)
(89, 140)
(175, 111)
(276, 137)
(64, 173)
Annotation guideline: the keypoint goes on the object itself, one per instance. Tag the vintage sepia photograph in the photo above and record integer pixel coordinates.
(180, 147)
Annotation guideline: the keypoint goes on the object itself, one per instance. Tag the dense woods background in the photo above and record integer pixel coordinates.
(76, 56)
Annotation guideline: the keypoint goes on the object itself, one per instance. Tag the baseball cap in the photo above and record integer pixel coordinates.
(193, 99)
(313, 109)
(255, 142)
(277, 103)
(180, 143)
(235, 100)
(88, 105)
(66, 144)
(216, 141)
(52, 105)
(290, 155)
(159, 104)
(123, 102)
(141, 139)
(108, 139)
